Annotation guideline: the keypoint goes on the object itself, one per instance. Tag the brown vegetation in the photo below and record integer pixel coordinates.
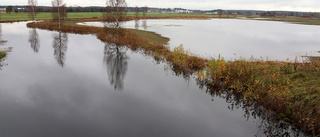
(291, 90)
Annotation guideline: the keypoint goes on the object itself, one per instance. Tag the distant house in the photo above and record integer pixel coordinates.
(2, 10)
(212, 13)
(181, 11)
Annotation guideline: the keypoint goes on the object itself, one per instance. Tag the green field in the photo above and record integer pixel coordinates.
(47, 15)
(74, 15)
(296, 20)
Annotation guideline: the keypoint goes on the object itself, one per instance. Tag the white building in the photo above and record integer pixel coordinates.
(181, 11)
(2, 10)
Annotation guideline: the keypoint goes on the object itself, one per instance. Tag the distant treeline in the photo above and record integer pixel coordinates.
(169, 10)
(69, 9)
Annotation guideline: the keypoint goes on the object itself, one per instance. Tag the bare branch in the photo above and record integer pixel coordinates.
(32, 8)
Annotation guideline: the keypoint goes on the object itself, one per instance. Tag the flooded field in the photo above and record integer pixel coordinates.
(57, 84)
(234, 38)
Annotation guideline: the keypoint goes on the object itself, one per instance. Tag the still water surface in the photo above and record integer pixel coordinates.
(67, 85)
(235, 38)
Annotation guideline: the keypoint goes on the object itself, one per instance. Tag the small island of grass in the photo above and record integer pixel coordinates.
(2, 54)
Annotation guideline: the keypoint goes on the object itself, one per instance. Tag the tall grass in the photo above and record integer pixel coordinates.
(289, 89)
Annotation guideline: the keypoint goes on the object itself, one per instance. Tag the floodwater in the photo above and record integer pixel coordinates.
(67, 85)
(235, 38)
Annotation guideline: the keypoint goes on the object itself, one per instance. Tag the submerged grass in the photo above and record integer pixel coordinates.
(291, 90)
(150, 36)
(2, 54)
(296, 20)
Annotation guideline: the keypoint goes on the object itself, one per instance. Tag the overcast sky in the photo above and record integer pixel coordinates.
(293, 5)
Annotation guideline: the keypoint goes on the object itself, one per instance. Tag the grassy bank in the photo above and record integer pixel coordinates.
(2, 54)
(295, 20)
(291, 90)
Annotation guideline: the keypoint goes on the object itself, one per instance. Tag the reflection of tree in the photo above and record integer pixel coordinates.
(269, 124)
(0, 31)
(1, 41)
(116, 61)
(136, 24)
(144, 24)
(34, 40)
(60, 47)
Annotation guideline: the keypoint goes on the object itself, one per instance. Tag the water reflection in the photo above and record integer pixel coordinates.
(144, 24)
(116, 61)
(34, 40)
(60, 46)
(136, 24)
(160, 105)
(1, 40)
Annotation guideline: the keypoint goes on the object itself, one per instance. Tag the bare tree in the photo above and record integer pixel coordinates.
(136, 12)
(220, 12)
(34, 40)
(60, 47)
(32, 6)
(144, 11)
(63, 12)
(59, 12)
(249, 14)
(1, 41)
(229, 13)
(116, 11)
(116, 61)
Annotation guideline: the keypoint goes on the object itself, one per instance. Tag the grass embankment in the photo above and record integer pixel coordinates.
(2, 54)
(295, 20)
(291, 90)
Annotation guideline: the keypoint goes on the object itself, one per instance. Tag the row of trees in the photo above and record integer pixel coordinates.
(58, 9)
(115, 10)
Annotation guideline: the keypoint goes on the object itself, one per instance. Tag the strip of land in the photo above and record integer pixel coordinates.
(295, 20)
